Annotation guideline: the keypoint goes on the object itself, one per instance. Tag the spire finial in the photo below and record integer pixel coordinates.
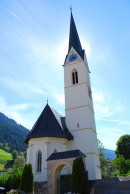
(47, 100)
(71, 8)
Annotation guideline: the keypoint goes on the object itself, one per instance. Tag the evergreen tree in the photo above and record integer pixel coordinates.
(79, 180)
(105, 164)
(26, 183)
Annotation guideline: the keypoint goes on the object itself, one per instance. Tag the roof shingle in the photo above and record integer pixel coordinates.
(66, 154)
(49, 124)
(74, 40)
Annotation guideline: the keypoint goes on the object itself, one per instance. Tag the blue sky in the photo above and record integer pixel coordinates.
(33, 44)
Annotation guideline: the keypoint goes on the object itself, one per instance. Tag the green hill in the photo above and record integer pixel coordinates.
(4, 156)
(12, 135)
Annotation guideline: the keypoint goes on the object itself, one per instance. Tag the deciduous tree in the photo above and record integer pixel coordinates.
(123, 146)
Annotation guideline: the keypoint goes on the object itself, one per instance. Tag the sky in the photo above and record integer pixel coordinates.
(34, 38)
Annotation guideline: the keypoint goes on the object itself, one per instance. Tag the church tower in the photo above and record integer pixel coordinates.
(55, 141)
(79, 110)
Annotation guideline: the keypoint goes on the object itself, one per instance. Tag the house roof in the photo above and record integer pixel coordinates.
(49, 124)
(66, 154)
(74, 40)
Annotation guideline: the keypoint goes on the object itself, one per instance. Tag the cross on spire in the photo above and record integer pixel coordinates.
(71, 8)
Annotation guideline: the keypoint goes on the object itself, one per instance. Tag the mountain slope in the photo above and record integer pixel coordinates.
(12, 135)
(5, 155)
(110, 154)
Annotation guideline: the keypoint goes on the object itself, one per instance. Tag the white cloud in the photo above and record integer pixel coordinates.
(15, 112)
(86, 46)
(98, 97)
(21, 87)
(104, 105)
(61, 51)
(60, 98)
(12, 13)
(115, 121)
(109, 136)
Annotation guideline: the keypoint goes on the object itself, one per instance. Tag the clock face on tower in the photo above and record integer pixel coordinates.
(73, 57)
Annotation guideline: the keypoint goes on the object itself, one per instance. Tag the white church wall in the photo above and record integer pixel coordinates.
(56, 144)
(79, 92)
(38, 145)
(81, 73)
(84, 140)
(47, 145)
(80, 118)
(93, 166)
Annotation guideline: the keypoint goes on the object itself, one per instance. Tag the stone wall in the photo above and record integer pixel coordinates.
(40, 187)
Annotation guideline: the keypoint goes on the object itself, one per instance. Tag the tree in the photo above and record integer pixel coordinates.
(14, 154)
(26, 183)
(121, 165)
(19, 162)
(79, 181)
(105, 164)
(15, 178)
(122, 162)
(123, 146)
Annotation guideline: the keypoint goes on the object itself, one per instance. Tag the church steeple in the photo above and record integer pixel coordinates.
(74, 40)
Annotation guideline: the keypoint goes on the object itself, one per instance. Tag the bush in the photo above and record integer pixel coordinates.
(15, 178)
(16, 192)
(79, 177)
(26, 183)
(121, 164)
(4, 180)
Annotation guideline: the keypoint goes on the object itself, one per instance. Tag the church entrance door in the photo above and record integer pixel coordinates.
(54, 171)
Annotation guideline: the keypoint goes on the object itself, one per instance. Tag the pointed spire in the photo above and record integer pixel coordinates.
(74, 40)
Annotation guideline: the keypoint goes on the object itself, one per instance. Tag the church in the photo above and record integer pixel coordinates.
(55, 141)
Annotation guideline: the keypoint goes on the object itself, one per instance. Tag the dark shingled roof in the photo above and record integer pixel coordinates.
(66, 154)
(49, 124)
(74, 40)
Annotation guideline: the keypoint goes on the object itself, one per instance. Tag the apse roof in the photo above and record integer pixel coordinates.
(66, 154)
(49, 124)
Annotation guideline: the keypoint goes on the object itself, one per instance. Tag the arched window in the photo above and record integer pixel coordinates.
(39, 161)
(74, 76)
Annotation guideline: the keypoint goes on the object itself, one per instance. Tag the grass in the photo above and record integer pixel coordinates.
(1, 166)
(4, 156)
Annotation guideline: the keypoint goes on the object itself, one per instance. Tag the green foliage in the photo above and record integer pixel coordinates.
(121, 165)
(65, 183)
(11, 180)
(4, 180)
(15, 178)
(5, 155)
(12, 135)
(12, 192)
(19, 162)
(16, 192)
(79, 181)
(27, 179)
(1, 166)
(105, 164)
(14, 154)
(122, 162)
(123, 146)
(9, 164)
